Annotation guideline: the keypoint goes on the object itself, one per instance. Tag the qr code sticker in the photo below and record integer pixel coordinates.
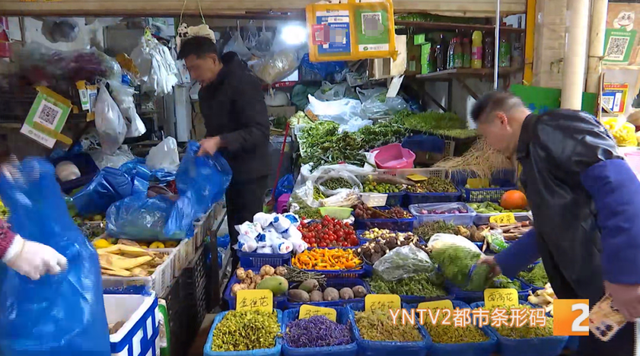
(616, 48)
(47, 114)
(607, 102)
(371, 23)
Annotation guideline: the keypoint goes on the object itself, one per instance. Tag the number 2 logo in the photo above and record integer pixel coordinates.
(576, 326)
(571, 317)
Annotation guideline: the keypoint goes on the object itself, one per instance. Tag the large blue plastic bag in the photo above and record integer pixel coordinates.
(139, 217)
(55, 315)
(138, 168)
(106, 188)
(201, 181)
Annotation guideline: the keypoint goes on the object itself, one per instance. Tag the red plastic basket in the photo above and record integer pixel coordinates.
(393, 156)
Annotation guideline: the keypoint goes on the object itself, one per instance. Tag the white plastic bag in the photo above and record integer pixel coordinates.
(110, 124)
(340, 111)
(251, 35)
(277, 66)
(236, 44)
(164, 156)
(158, 71)
(338, 173)
(403, 262)
(123, 96)
(122, 156)
(330, 92)
(376, 104)
(263, 44)
(439, 240)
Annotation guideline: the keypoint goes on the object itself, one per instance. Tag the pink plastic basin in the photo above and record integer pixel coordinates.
(393, 156)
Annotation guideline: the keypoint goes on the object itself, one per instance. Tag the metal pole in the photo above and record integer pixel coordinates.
(575, 54)
(496, 54)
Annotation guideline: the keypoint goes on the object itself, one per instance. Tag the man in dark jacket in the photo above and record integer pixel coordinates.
(585, 200)
(235, 116)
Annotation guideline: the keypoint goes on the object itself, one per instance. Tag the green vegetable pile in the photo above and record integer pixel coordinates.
(337, 183)
(380, 187)
(321, 144)
(420, 285)
(377, 325)
(455, 263)
(491, 208)
(537, 276)
(451, 334)
(438, 123)
(317, 193)
(526, 331)
(245, 330)
(504, 282)
(308, 212)
(433, 185)
(428, 229)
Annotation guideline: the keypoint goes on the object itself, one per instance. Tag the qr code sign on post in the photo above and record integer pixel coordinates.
(371, 23)
(47, 114)
(616, 48)
(607, 102)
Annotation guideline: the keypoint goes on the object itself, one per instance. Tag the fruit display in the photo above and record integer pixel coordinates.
(492, 208)
(311, 291)
(362, 211)
(433, 185)
(377, 325)
(327, 259)
(104, 241)
(381, 187)
(316, 331)
(129, 261)
(382, 241)
(513, 200)
(328, 232)
(246, 330)
(268, 278)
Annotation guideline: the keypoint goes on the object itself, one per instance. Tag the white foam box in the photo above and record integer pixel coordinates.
(139, 335)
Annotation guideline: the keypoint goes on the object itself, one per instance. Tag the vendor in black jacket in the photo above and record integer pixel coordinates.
(235, 116)
(585, 201)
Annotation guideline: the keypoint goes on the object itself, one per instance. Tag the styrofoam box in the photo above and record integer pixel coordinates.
(425, 172)
(374, 199)
(139, 335)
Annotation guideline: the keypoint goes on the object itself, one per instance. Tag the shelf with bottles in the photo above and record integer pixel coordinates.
(456, 26)
(468, 72)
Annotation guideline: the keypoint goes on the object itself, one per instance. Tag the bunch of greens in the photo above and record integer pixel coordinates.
(420, 285)
(537, 276)
(438, 123)
(428, 229)
(504, 282)
(455, 262)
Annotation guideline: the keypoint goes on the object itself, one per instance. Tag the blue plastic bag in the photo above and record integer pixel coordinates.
(285, 186)
(200, 181)
(331, 71)
(106, 188)
(55, 315)
(138, 168)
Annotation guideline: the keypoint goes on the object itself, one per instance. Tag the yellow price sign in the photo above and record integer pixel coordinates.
(500, 297)
(416, 177)
(382, 301)
(255, 299)
(506, 218)
(307, 311)
(437, 304)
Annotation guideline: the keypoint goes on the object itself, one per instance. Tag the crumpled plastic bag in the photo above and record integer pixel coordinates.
(403, 262)
(55, 315)
(277, 66)
(329, 92)
(236, 44)
(329, 174)
(158, 71)
(102, 160)
(342, 111)
(376, 104)
(440, 240)
(110, 124)
(164, 156)
(622, 131)
(123, 96)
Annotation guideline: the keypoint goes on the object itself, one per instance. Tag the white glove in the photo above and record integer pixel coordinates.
(33, 259)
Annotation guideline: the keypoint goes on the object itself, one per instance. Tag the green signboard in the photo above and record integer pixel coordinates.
(540, 100)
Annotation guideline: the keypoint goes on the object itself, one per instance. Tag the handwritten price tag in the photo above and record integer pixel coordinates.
(506, 218)
(307, 311)
(438, 304)
(500, 297)
(255, 299)
(382, 301)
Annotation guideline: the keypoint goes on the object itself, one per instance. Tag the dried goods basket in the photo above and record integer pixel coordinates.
(388, 348)
(541, 346)
(337, 283)
(274, 351)
(342, 317)
(279, 302)
(484, 348)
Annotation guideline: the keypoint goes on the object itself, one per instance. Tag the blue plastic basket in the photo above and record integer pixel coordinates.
(342, 318)
(485, 348)
(275, 351)
(257, 260)
(278, 302)
(541, 346)
(472, 297)
(465, 219)
(389, 224)
(345, 273)
(394, 199)
(337, 283)
(426, 198)
(504, 179)
(388, 348)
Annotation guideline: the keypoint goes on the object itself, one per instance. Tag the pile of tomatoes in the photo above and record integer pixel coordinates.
(328, 232)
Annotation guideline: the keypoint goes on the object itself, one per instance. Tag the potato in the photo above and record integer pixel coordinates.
(359, 291)
(316, 296)
(346, 293)
(331, 294)
(249, 274)
(299, 296)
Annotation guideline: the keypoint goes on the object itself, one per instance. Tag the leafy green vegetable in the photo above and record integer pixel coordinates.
(420, 285)
(537, 276)
(455, 262)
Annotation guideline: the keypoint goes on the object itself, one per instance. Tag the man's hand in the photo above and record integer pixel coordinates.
(491, 261)
(626, 298)
(33, 259)
(209, 146)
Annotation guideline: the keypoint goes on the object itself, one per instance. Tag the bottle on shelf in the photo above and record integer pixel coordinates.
(458, 55)
(441, 54)
(450, 54)
(504, 58)
(488, 52)
(476, 49)
(433, 62)
(466, 53)
(517, 53)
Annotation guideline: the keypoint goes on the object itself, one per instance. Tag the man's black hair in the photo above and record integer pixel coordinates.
(492, 102)
(198, 46)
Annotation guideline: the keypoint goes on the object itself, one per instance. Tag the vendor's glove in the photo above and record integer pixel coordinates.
(626, 298)
(33, 259)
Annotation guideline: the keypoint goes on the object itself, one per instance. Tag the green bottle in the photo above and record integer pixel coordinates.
(505, 53)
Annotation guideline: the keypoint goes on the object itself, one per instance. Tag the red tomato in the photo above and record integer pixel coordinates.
(322, 244)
